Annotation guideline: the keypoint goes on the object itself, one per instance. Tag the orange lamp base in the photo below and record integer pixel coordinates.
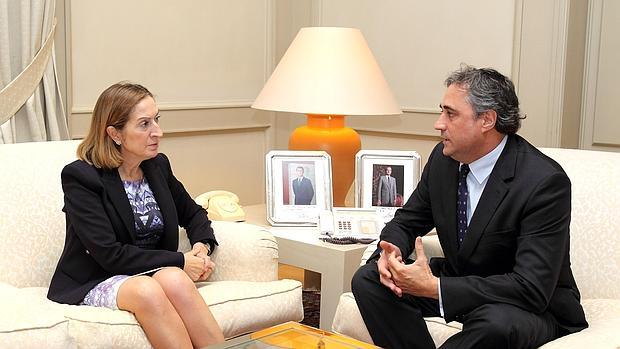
(328, 133)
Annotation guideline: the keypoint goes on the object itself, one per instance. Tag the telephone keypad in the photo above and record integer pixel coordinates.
(344, 226)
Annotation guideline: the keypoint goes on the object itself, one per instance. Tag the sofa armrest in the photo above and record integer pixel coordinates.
(432, 248)
(246, 252)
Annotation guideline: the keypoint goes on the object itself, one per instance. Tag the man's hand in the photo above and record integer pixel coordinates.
(415, 279)
(385, 276)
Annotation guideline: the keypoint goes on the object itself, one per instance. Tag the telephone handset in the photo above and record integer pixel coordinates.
(221, 205)
(350, 225)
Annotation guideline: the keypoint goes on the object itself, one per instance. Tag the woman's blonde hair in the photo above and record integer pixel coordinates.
(113, 108)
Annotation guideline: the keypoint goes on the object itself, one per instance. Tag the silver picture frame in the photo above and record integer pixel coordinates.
(370, 168)
(298, 187)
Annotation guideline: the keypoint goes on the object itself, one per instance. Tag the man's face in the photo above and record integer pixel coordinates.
(300, 172)
(388, 171)
(461, 131)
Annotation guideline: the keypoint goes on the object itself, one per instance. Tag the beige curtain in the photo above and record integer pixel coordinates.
(24, 26)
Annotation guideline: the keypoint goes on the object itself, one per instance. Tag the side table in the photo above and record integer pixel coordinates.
(301, 247)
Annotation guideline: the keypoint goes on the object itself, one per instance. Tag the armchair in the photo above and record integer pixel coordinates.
(244, 292)
(595, 242)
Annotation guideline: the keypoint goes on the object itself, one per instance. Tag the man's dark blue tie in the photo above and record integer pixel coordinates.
(461, 204)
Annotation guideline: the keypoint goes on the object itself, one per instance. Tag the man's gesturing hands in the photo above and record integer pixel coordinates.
(415, 279)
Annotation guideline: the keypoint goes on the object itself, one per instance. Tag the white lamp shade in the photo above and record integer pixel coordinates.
(328, 71)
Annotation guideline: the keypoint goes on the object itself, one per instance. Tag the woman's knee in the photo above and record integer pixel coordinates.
(174, 281)
(141, 293)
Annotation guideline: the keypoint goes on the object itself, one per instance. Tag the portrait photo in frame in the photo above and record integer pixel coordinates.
(299, 186)
(385, 179)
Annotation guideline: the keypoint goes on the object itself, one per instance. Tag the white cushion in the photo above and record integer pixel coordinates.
(33, 225)
(604, 319)
(238, 306)
(241, 307)
(29, 321)
(594, 228)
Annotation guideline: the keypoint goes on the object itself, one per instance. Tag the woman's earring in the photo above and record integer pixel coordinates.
(118, 142)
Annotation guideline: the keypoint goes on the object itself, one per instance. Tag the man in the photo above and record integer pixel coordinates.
(386, 189)
(302, 188)
(501, 210)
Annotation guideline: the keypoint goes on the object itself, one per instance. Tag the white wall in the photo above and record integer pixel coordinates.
(207, 60)
(600, 123)
(204, 60)
(417, 43)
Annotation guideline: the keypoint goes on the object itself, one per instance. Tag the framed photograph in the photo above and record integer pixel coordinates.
(299, 186)
(384, 179)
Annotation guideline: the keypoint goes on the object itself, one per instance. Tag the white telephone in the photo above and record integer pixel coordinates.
(221, 205)
(351, 223)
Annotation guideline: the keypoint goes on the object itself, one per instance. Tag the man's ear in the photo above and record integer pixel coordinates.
(113, 133)
(488, 117)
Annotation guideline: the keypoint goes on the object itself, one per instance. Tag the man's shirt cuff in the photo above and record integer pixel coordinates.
(439, 292)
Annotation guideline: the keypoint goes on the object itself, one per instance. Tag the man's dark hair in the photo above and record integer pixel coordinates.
(487, 89)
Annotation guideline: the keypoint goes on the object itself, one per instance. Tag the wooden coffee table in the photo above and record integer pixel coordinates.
(293, 335)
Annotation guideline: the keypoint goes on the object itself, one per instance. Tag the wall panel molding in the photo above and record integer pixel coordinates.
(558, 68)
(182, 106)
(189, 120)
(207, 54)
(598, 98)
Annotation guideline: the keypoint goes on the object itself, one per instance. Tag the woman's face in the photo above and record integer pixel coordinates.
(140, 136)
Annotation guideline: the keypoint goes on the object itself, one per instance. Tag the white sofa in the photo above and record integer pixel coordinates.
(244, 292)
(595, 255)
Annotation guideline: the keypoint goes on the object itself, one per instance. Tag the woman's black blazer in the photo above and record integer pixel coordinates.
(100, 240)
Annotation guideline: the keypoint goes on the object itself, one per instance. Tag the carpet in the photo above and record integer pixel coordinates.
(312, 305)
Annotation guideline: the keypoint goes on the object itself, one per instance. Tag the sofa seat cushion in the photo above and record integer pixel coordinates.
(93, 327)
(603, 317)
(29, 321)
(348, 321)
(238, 306)
(242, 307)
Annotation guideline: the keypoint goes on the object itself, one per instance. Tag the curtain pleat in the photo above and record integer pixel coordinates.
(27, 25)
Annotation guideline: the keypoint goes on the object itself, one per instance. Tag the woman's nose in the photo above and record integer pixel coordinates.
(157, 132)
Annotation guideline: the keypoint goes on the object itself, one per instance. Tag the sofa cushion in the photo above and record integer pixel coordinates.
(31, 205)
(95, 327)
(30, 321)
(604, 319)
(254, 305)
(603, 316)
(594, 229)
(348, 321)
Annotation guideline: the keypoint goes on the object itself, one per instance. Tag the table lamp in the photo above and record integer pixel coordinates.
(328, 73)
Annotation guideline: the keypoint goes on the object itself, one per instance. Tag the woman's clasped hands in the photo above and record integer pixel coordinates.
(198, 265)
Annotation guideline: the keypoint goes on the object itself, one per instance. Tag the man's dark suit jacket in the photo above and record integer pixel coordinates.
(101, 228)
(516, 250)
(303, 191)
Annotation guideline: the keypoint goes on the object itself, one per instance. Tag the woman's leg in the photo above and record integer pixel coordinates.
(191, 307)
(144, 297)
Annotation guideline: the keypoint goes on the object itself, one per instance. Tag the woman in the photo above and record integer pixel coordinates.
(123, 207)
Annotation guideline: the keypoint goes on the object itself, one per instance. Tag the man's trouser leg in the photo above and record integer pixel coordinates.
(504, 326)
(392, 321)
